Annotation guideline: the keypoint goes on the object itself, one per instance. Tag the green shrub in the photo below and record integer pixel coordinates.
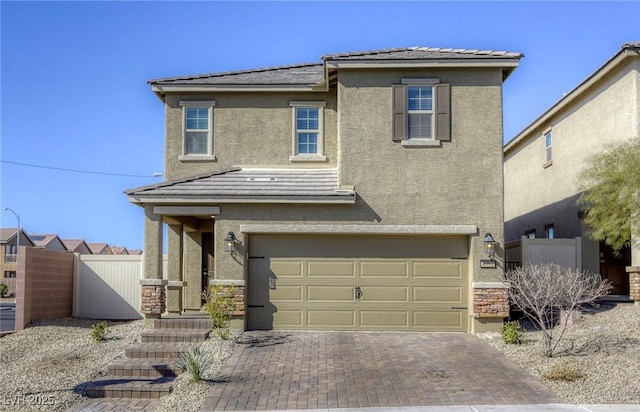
(99, 331)
(513, 333)
(564, 372)
(220, 305)
(195, 362)
(4, 290)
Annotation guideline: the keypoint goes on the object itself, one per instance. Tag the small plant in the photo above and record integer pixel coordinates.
(513, 333)
(195, 362)
(99, 331)
(564, 372)
(4, 290)
(220, 305)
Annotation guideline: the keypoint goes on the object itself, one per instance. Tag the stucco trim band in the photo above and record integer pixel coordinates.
(363, 229)
(226, 282)
(347, 198)
(490, 285)
(153, 282)
(186, 210)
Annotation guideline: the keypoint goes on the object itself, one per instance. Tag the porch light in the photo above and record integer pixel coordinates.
(230, 243)
(489, 245)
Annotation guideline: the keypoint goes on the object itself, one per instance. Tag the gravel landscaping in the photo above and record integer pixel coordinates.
(44, 366)
(604, 346)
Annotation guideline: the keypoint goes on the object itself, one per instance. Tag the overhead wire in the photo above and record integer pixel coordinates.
(156, 175)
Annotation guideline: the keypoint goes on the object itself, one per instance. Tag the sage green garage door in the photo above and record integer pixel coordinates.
(357, 283)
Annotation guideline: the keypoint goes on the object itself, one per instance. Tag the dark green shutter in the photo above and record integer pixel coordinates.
(443, 111)
(399, 112)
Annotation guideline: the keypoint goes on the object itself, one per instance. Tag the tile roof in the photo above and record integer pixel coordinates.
(299, 74)
(422, 53)
(99, 248)
(42, 239)
(311, 74)
(251, 183)
(7, 233)
(72, 244)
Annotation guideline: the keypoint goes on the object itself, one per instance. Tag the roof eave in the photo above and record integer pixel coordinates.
(573, 95)
(161, 89)
(141, 200)
(403, 63)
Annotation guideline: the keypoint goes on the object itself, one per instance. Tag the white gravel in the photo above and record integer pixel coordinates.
(604, 345)
(44, 366)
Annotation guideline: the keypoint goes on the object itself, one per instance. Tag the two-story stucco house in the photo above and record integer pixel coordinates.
(350, 194)
(541, 163)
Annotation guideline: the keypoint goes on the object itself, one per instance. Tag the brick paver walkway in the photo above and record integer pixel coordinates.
(307, 370)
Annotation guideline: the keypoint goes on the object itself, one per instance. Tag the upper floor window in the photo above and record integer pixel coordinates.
(530, 234)
(308, 140)
(10, 273)
(198, 128)
(421, 112)
(547, 146)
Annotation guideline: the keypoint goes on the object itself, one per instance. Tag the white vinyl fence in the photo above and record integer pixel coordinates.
(108, 286)
(563, 252)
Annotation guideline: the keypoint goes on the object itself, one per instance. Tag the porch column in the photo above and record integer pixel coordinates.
(174, 269)
(153, 286)
(193, 269)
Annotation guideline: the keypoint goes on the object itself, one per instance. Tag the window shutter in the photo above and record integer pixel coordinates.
(399, 112)
(443, 111)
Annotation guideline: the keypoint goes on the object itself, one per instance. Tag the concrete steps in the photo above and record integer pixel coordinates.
(149, 368)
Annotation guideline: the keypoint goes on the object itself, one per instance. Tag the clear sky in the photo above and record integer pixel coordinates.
(74, 92)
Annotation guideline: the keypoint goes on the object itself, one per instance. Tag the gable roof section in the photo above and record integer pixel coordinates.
(628, 50)
(100, 248)
(75, 245)
(315, 76)
(44, 240)
(248, 186)
(7, 234)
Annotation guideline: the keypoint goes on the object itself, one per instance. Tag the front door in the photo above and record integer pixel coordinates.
(207, 260)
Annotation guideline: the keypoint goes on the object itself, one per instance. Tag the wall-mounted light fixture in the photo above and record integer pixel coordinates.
(489, 245)
(230, 242)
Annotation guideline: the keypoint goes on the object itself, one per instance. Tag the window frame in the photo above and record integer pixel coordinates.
(200, 104)
(431, 112)
(530, 232)
(548, 147)
(319, 156)
(546, 231)
(441, 112)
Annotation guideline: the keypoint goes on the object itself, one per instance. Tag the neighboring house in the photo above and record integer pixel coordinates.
(100, 248)
(353, 193)
(135, 252)
(8, 251)
(541, 163)
(77, 246)
(48, 241)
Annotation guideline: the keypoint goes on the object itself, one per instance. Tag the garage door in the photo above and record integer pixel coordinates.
(356, 283)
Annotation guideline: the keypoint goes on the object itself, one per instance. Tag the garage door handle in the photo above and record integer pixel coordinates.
(358, 292)
(459, 307)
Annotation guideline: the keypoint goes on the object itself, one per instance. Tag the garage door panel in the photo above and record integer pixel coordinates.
(331, 318)
(387, 294)
(384, 319)
(286, 293)
(330, 293)
(439, 294)
(286, 268)
(331, 269)
(384, 269)
(449, 270)
(439, 320)
(288, 318)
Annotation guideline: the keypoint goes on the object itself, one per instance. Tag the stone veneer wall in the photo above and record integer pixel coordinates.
(154, 299)
(234, 291)
(490, 303)
(634, 283)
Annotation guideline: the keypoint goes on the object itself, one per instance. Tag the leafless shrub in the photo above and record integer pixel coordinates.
(543, 291)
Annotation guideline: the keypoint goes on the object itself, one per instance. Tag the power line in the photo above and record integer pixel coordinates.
(79, 171)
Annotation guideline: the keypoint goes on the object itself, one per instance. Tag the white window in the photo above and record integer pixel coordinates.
(308, 139)
(197, 129)
(420, 105)
(547, 145)
(530, 234)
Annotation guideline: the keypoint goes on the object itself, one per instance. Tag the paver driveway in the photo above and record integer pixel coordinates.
(308, 370)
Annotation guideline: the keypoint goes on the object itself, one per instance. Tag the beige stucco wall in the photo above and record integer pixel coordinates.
(457, 183)
(249, 130)
(535, 195)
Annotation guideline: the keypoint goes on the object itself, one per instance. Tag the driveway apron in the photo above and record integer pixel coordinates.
(310, 370)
